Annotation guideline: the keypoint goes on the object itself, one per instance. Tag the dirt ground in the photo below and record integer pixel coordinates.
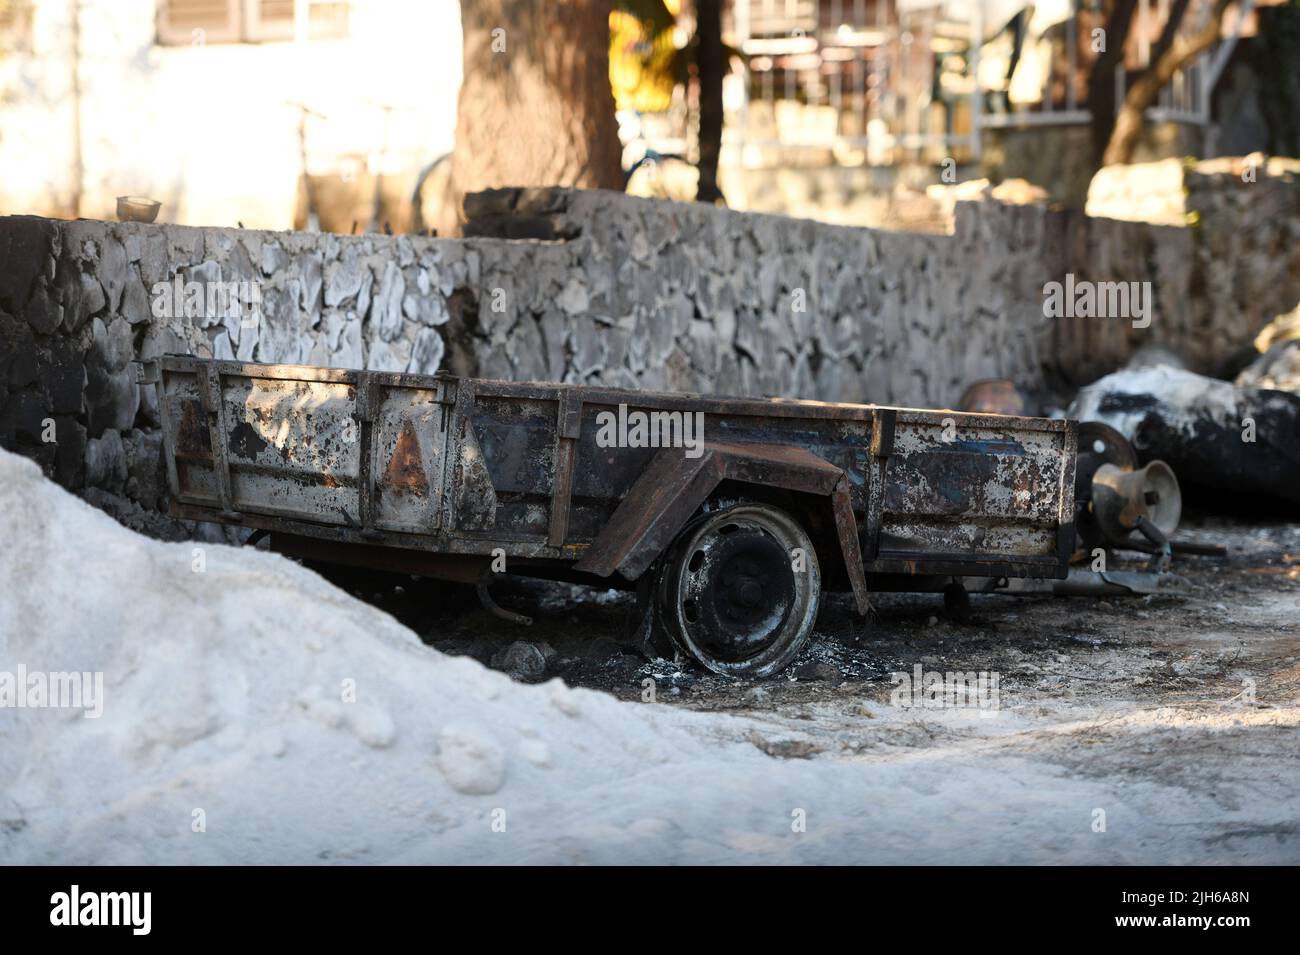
(1197, 688)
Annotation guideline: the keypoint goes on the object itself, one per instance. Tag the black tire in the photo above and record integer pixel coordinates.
(729, 593)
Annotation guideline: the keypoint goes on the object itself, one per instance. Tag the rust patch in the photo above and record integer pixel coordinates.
(405, 469)
(192, 436)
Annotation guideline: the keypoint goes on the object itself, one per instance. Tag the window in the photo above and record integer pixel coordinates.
(15, 26)
(197, 22)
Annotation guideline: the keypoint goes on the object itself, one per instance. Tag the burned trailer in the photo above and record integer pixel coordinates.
(728, 516)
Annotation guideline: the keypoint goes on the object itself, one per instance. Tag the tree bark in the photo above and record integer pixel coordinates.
(535, 105)
(1129, 122)
(1177, 10)
(711, 64)
(1101, 81)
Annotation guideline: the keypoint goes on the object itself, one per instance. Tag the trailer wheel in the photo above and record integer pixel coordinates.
(739, 590)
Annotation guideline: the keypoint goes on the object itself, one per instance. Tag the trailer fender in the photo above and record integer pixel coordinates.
(674, 486)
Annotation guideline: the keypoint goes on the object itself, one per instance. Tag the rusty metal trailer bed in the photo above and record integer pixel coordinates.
(728, 515)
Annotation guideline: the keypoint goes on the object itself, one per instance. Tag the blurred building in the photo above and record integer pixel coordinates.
(847, 103)
(216, 107)
(282, 113)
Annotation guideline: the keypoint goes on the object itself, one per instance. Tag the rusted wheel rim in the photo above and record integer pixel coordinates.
(742, 594)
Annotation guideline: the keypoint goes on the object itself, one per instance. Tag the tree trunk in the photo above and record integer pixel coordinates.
(1177, 10)
(1128, 124)
(711, 62)
(1101, 81)
(535, 105)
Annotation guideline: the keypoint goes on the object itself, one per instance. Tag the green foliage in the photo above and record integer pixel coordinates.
(643, 66)
(644, 62)
(654, 15)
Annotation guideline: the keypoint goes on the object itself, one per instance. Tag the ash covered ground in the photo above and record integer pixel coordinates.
(1220, 622)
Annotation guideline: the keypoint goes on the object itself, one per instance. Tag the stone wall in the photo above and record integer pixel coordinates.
(1182, 191)
(1232, 260)
(595, 287)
